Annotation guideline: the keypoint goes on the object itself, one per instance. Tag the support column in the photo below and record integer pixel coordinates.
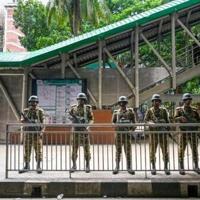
(24, 89)
(100, 74)
(63, 64)
(137, 67)
(173, 35)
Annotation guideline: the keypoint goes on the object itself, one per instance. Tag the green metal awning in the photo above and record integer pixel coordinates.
(29, 58)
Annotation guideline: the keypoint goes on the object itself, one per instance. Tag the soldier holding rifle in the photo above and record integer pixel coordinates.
(32, 134)
(157, 114)
(81, 113)
(123, 115)
(187, 114)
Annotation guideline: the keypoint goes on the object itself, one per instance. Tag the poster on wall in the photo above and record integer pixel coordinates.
(56, 96)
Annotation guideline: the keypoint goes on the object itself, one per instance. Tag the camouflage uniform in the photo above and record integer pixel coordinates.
(158, 116)
(191, 114)
(123, 136)
(33, 138)
(80, 135)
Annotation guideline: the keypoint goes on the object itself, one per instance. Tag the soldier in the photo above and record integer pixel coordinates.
(33, 134)
(123, 134)
(157, 114)
(187, 114)
(82, 114)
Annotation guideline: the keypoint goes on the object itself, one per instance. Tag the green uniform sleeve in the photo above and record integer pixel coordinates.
(147, 116)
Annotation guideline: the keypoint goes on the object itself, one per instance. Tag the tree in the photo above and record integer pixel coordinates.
(31, 17)
(123, 9)
(77, 11)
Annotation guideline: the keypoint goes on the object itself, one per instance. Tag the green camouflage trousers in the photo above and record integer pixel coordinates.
(162, 140)
(34, 140)
(183, 140)
(78, 139)
(125, 140)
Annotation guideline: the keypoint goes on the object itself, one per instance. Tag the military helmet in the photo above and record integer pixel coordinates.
(187, 96)
(81, 96)
(33, 98)
(122, 99)
(155, 97)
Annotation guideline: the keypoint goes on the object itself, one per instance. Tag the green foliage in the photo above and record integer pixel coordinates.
(192, 86)
(76, 12)
(31, 17)
(122, 9)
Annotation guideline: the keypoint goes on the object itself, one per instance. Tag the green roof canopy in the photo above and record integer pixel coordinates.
(8, 59)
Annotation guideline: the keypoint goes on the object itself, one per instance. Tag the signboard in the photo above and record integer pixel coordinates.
(56, 96)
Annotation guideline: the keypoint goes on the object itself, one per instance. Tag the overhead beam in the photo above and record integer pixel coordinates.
(121, 72)
(78, 76)
(157, 54)
(9, 100)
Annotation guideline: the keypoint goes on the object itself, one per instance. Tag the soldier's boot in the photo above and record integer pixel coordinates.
(181, 168)
(167, 172)
(74, 167)
(116, 170)
(153, 168)
(129, 169)
(26, 168)
(39, 169)
(87, 167)
(196, 167)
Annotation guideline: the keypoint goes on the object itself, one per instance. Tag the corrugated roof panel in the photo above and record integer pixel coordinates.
(29, 58)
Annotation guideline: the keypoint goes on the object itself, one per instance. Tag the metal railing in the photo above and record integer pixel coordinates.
(58, 146)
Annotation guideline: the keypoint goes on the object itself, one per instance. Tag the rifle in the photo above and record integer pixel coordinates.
(31, 128)
(156, 120)
(189, 120)
(78, 120)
